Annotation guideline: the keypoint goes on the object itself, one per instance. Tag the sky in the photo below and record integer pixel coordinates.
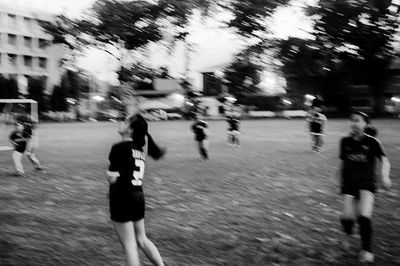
(212, 46)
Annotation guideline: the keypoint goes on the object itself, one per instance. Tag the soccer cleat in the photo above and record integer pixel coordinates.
(366, 257)
(39, 168)
(162, 153)
(20, 174)
(345, 243)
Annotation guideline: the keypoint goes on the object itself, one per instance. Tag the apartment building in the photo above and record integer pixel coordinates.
(26, 50)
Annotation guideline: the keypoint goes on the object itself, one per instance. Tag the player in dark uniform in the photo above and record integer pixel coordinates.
(125, 175)
(316, 127)
(30, 134)
(233, 130)
(19, 142)
(200, 130)
(359, 153)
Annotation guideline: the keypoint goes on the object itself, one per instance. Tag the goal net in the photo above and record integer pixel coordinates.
(11, 111)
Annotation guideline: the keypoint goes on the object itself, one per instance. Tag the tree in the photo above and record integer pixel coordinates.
(58, 99)
(242, 77)
(13, 88)
(9, 88)
(131, 25)
(353, 43)
(249, 16)
(127, 25)
(357, 38)
(36, 92)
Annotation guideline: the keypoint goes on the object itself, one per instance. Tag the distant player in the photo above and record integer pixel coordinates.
(125, 175)
(200, 130)
(31, 135)
(19, 142)
(20, 138)
(316, 127)
(359, 153)
(233, 130)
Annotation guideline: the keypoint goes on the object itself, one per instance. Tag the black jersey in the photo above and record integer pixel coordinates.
(27, 132)
(199, 128)
(359, 157)
(18, 138)
(316, 122)
(129, 161)
(233, 124)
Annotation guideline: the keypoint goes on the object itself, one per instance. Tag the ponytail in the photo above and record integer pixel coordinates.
(139, 132)
(153, 149)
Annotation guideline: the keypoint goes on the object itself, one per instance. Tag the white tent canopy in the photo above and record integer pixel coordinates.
(153, 105)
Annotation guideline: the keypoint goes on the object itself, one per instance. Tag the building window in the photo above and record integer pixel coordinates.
(27, 24)
(12, 39)
(28, 42)
(12, 59)
(43, 62)
(12, 21)
(43, 43)
(28, 61)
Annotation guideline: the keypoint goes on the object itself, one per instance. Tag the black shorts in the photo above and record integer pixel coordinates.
(21, 147)
(125, 207)
(199, 139)
(353, 186)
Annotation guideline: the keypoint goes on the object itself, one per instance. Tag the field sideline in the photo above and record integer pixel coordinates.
(273, 201)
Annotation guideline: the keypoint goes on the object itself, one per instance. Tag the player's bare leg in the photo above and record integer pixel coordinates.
(146, 244)
(126, 234)
(17, 159)
(34, 160)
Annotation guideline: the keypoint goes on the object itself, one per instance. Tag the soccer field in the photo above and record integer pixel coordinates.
(272, 201)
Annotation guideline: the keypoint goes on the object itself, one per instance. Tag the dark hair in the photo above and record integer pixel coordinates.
(372, 131)
(139, 131)
(364, 116)
(317, 102)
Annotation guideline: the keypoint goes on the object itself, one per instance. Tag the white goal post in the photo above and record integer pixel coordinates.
(9, 110)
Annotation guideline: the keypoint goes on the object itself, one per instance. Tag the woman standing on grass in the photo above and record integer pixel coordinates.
(316, 126)
(359, 153)
(125, 175)
(200, 130)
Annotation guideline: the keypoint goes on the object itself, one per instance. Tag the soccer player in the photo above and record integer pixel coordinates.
(359, 153)
(18, 141)
(316, 127)
(233, 130)
(125, 175)
(199, 128)
(30, 134)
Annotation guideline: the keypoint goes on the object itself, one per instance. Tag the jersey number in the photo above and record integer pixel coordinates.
(138, 175)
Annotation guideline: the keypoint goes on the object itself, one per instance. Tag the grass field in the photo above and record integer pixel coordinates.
(272, 201)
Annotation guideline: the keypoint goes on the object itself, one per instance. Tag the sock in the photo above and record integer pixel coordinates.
(237, 141)
(320, 142)
(365, 227)
(204, 153)
(347, 225)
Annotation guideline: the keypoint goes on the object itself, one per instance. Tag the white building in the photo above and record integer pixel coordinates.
(26, 50)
